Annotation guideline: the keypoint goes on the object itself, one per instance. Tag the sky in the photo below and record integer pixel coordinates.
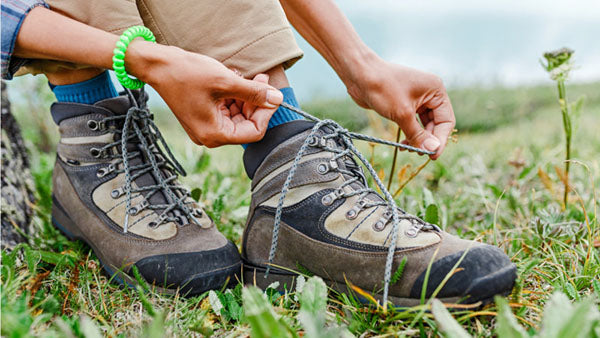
(467, 43)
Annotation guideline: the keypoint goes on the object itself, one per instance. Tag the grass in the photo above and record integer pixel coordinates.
(498, 183)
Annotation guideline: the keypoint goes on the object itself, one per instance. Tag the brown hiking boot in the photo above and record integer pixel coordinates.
(335, 226)
(116, 189)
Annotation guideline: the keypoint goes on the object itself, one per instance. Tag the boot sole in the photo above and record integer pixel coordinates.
(503, 282)
(63, 222)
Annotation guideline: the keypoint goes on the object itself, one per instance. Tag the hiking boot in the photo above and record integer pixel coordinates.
(116, 189)
(334, 226)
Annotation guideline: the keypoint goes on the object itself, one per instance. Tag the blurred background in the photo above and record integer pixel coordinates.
(466, 42)
(487, 52)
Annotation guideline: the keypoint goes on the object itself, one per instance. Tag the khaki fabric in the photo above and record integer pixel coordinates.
(251, 36)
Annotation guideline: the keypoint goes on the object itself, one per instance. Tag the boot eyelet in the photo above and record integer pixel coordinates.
(327, 200)
(105, 171)
(411, 232)
(136, 209)
(101, 172)
(180, 221)
(92, 124)
(95, 152)
(379, 226)
(197, 212)
(351, 214)
(116, 193)
(322, 168)
(313, 141)
(153, 225)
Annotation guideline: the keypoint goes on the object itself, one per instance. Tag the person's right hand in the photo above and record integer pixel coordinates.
(202, 93)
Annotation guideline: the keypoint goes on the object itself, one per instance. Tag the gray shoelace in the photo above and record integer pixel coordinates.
(340, 133)
(152, 146)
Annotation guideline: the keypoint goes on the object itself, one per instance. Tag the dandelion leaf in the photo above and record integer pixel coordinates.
(432, 214)
(563, 319)
(507, 326)
(446, 323)
(261, 316)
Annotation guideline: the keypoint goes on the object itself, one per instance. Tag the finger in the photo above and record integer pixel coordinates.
(238, 118)
(429, 127)
(416, 135)
(253, 92)
(252, 130)
(425, 118)
(425, 115)
(444, 121)
(405, 142)
(249, 108)
(234, 109)
(239, 130)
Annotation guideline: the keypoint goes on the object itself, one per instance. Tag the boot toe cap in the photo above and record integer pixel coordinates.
(193, 272)
(485, 271)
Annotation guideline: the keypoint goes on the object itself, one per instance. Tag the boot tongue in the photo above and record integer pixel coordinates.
(256, 152)
(351, 165)
(117, 105)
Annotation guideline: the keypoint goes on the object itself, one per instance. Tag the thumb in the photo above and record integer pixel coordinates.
(256, 93)
(417, 136)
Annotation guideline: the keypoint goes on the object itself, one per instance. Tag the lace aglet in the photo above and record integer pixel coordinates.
(126, 223)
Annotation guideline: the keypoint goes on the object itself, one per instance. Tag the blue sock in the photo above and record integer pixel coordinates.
(284, 115)
(88, 92)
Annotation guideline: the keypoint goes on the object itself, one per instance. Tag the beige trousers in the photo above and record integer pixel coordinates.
(251, 36)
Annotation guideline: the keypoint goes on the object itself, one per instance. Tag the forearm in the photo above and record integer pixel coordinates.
(49, 35)
(332, 35)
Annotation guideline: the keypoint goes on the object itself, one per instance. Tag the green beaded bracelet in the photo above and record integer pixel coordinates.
(119, 55)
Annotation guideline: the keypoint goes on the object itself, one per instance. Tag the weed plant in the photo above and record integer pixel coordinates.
(559, 65)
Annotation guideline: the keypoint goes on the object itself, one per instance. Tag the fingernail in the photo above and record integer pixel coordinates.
(431, 144)
(274, 98)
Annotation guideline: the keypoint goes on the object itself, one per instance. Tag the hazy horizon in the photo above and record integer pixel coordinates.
(467, 43)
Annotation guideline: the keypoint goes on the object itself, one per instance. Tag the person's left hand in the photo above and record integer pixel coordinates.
(401, 94)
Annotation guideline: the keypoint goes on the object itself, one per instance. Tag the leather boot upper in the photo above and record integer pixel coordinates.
(90, 191)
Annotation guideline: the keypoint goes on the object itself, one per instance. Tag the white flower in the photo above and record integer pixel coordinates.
(215, 302)
(273, 285)
(300, 281)
(561, 72)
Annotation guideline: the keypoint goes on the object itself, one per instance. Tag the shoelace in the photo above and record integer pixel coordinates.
(340, 133)
(151, 144)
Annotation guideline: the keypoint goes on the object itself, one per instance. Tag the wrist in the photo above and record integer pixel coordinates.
(362, 67)
(143, 58)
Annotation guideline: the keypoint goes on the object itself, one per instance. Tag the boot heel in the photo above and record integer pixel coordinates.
(63, 222)
(255, 275)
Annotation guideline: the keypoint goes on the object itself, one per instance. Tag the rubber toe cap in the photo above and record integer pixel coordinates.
(485, 271)
(193, 272)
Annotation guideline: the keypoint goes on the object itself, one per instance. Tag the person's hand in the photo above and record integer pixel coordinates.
(401, 94)
(214, 105)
